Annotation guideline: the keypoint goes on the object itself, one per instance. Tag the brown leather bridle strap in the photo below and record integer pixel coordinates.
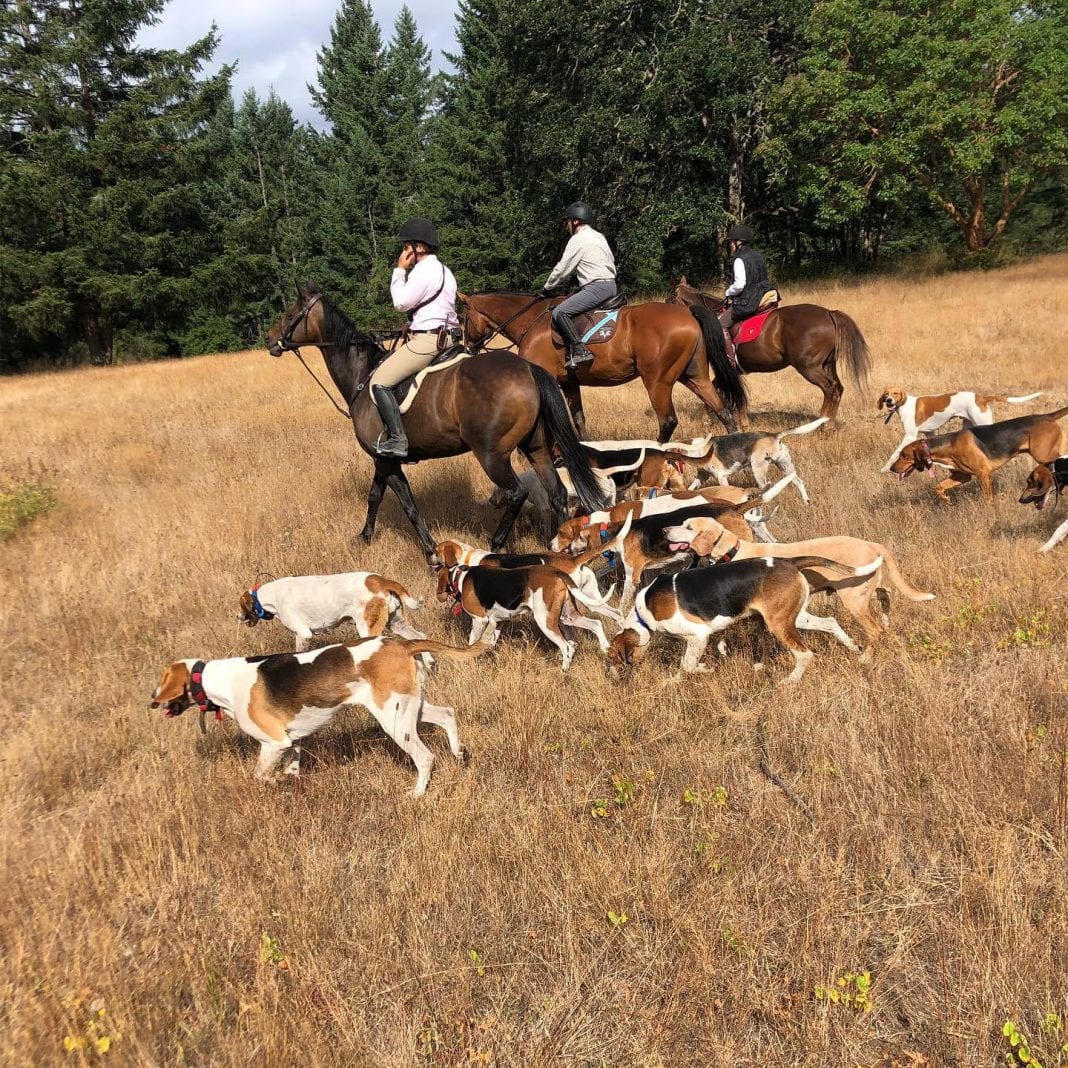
(483, 342)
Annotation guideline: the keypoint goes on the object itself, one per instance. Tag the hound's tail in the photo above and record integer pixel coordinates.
(402, 595)
(801, 562)
(591, 554)
(807, 428)
(900, 581)
(1019, 400)
(452, 652)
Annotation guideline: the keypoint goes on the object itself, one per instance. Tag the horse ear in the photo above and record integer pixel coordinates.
(300, 291)
(682, 280)
(463, 298)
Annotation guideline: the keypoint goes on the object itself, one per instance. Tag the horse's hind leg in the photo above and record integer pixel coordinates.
(501, 474)
(701, 387)
(537, 451)
(398, 482)
(825, 377)
(374, 500)
(660, 397)
(573, 395)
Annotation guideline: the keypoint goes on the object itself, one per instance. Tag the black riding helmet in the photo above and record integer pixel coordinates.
(579, 210)
(739, 232)
(421, 230)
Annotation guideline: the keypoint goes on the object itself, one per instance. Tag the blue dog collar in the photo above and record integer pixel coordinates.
(258, 608)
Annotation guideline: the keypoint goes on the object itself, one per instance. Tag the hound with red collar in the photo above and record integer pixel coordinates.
(694, 605)
(450, 554)
(281, 699)
(1044, 480)
(924, 415)
(491, 595)
(309, 604)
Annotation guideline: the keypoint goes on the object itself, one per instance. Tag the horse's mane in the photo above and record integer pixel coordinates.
(342, 330)
(502, 293)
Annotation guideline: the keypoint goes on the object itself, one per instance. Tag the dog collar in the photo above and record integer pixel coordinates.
(258, 608)
(641, 622)
(731, 553)
(198, 693)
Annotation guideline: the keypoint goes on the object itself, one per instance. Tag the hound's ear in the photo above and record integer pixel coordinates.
(173, 683)
(702, 543)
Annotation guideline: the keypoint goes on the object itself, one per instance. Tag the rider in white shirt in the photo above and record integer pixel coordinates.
(425, 288)
(587, 255)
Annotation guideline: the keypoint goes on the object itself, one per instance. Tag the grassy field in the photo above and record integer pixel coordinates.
(610, 880)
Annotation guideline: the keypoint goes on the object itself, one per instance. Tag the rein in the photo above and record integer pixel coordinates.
(483, 342)
(329, 396)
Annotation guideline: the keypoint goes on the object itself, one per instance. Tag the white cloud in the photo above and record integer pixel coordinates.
(275, 42)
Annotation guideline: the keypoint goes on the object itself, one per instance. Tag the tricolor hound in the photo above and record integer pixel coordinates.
(311, 603)
(1045, 479)
(923, 415)
(980, 450)
(708, 538)
(491, 595)
(694, 605)
(283, 698)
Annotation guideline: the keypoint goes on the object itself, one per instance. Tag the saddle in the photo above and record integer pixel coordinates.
(748, 329)
(595, 326)
(405, 392)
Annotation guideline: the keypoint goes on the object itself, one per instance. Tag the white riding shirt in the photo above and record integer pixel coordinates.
(411, 288)
(739, 279)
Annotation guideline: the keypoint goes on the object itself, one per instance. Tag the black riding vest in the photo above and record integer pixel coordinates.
(756, 282)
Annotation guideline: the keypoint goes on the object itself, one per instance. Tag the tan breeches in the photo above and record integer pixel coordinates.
(407, 359)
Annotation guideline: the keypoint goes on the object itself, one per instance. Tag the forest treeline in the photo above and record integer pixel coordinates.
(143, 212)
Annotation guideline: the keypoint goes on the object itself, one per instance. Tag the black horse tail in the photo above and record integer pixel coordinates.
(560, 432)
(849, 344)
(726, 377)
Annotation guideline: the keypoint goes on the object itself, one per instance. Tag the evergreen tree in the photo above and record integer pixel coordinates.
(102, 213)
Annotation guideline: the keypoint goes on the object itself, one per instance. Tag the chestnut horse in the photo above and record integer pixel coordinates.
(803, 336)
(657, 344)
(489, 405)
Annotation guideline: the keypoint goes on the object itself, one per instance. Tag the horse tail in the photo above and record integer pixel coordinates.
(849, 344)
(560, 432)
(726, 377)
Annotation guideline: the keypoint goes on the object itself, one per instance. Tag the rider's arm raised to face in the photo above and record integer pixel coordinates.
(411, 288)
(739, 278)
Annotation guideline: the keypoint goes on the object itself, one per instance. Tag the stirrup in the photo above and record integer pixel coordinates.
(575, 360)
(395, 452)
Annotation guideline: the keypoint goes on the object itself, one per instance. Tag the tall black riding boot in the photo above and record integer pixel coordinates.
(577, 353)
(396, 445)
(726, 317)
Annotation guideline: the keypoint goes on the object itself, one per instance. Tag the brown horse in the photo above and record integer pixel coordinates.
(489, 405)
(803, 336)
(658, 344)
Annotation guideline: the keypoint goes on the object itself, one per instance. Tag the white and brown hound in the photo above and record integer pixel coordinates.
(491, 595)
(1044, 480)
(755, 450)
(710, 539)
(281, 699)
(924, 415)
(308, 604)
(694, 605)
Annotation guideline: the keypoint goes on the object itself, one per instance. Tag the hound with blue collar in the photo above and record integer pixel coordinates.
(308, 604)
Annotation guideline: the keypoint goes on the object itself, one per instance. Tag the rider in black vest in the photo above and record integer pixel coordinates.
(750, 277)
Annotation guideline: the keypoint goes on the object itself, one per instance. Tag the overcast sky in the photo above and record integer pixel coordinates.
(274, 41)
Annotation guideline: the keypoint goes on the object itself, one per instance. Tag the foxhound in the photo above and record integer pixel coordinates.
(757, 451)
(450, 553)
(710, 539)
(1041, 482)
(491, 595)
(281, 699)
(980, 450)
(923, 415)
(694, 605)
(573, 534)
(309, 604)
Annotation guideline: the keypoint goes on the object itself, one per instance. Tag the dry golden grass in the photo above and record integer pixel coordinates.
(336, 922)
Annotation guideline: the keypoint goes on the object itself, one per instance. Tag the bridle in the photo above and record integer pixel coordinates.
(481, 344)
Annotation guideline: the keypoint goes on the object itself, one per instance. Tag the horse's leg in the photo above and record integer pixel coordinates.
(498, 466)
(703, 389)
(659, 391)
(537, 451)
(824, 377)
(398, 482)
(573, 395)
(374, 500)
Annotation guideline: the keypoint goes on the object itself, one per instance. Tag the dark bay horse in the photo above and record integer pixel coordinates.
(653, 342)
(489, 405)
(806, 337)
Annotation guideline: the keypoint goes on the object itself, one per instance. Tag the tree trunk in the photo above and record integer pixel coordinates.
(99, 336)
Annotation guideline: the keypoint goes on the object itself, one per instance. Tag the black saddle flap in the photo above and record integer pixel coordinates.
(598, 325)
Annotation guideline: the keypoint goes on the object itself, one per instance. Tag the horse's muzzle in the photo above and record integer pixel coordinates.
(274, 347)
